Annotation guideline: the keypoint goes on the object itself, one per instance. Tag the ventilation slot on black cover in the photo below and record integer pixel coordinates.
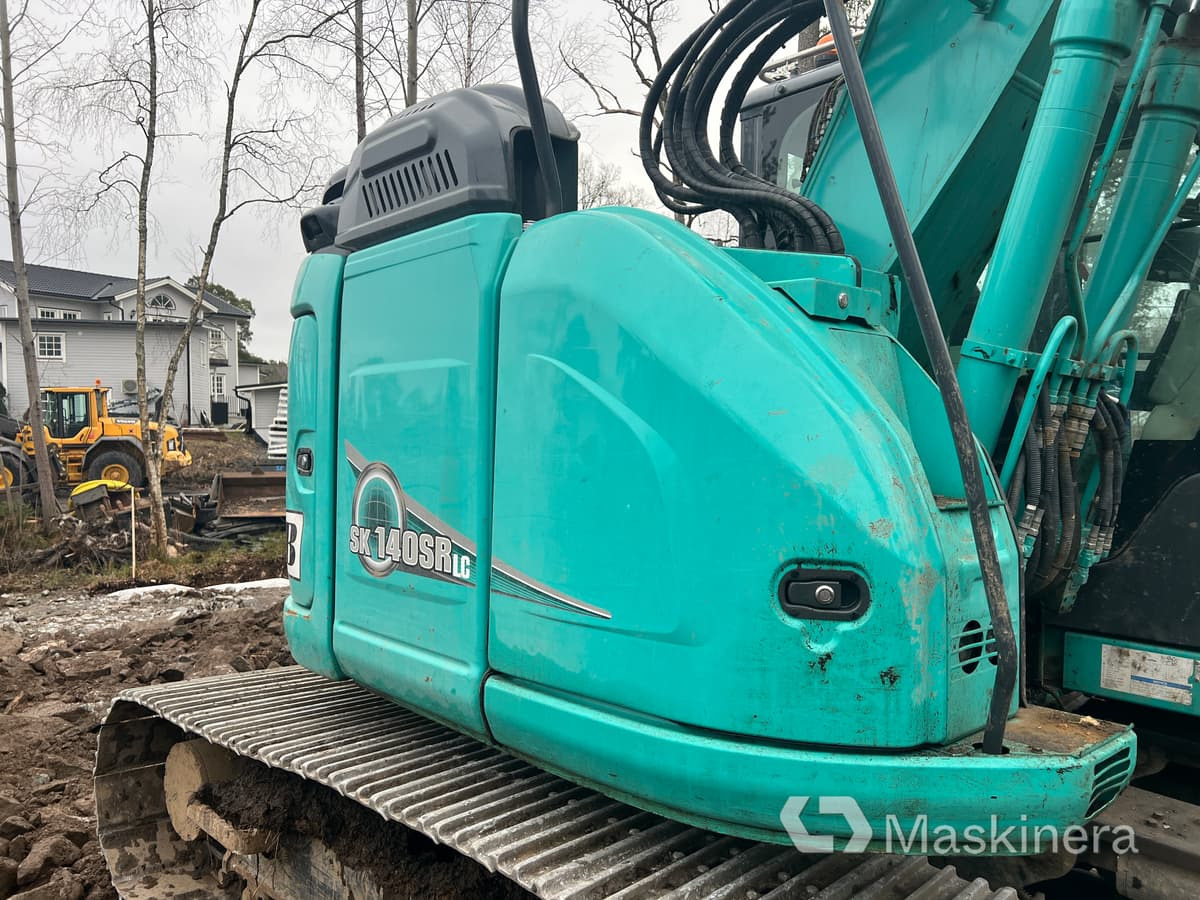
(406, 184)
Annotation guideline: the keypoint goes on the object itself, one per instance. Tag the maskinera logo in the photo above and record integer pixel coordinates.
(916, 836)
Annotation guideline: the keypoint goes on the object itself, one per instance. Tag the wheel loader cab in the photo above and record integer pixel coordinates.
(67, 413)
(676, 521)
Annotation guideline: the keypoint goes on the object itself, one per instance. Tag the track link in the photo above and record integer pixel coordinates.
(554, 838)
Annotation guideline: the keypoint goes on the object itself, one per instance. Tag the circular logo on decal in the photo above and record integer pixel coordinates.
(378, 509)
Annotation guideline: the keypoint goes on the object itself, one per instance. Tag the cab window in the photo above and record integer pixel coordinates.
(65, 414)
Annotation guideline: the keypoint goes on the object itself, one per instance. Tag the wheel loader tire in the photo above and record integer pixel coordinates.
(12, 472)
(117, 465)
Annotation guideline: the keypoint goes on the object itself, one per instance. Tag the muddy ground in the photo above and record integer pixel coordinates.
(63, 657)
(238, 452)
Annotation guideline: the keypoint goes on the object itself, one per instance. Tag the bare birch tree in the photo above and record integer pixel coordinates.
(600, 184)
(637, 32)
(152, 72)
(20, 60)
(253, 154)
(383, 55)
(45, 475)
(373, 56)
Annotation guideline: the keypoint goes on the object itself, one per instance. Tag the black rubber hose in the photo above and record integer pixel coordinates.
(1068, 547)
(1017, 483)
(672, 79)
(1050, 536)
(1023, 695)
(682, 95)
(1104, 433)
(686, 118)
(1007, 663)
(738, 89)
(681, 206)
(676, 197)
(1033, 453)
(1120, 417)
(547, 164)
(798, 18)
(698, 96)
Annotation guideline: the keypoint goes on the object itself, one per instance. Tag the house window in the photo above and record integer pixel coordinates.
(108, 317)
(70, 315)
(218, 386)
(3, 310)
(218, 344)
(160, 306)
(51, 346)
(48, 312)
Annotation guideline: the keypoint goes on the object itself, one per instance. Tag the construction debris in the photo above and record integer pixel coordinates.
(239, 504)
(95, 543)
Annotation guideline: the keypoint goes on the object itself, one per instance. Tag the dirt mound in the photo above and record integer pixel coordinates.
(239, 452)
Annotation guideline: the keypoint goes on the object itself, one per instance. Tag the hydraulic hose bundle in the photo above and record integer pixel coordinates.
(675, 118)
(1047, 476)
(1113, 438)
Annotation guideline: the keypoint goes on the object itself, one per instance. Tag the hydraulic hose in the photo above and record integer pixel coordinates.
(1104, 430)
(733, 103)
(547, 164)
(1033, 455)
(675, 121)
(943, 369)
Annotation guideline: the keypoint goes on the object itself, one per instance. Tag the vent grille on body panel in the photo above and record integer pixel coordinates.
(406, 184)
(973, 645)
(412, 110)
(464, 153)
(1108, 779)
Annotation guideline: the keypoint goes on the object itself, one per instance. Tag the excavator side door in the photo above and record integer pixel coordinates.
(416, 388)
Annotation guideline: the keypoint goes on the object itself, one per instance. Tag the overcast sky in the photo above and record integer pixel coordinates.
(260, 251)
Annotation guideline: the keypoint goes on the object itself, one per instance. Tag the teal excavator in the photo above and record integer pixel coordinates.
(630, 565)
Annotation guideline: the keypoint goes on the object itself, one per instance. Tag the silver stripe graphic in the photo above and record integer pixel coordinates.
(553, 599)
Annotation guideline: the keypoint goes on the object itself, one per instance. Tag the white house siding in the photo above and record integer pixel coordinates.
(87, 310)
(228, 327)
(264, 405)
(105, 351)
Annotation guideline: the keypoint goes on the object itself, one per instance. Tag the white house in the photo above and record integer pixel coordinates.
(83, 325)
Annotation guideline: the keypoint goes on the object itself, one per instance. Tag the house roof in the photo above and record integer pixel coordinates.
(79, 285)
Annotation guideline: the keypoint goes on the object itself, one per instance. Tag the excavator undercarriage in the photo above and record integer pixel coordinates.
(274, 782)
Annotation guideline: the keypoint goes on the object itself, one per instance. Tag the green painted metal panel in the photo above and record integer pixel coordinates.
(311, 499)
(672, 435)
(740, 786)
(414, 462)
(955, 92)
(1170, 113)
(1163, 677)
